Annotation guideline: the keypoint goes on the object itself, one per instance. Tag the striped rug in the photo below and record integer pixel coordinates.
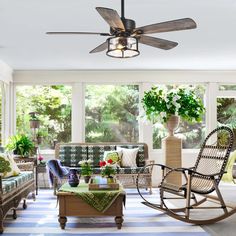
(40, 219)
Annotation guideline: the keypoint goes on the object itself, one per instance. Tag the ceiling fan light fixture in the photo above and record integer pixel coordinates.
(122, 47)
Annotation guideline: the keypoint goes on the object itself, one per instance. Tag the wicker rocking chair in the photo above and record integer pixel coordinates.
(199, 195)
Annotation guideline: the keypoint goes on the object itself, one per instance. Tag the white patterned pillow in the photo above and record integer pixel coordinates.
(128, 156)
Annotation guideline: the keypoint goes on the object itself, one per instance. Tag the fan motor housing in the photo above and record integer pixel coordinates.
(128, 24)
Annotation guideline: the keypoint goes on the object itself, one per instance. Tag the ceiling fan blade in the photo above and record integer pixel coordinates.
(93, 33)
(111, 17)
(157, 43)
(174, 25)
(100, 48)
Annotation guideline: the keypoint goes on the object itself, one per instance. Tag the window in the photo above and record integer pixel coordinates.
(111, 113)
(192, 135)
(53, 106)
(226, 113)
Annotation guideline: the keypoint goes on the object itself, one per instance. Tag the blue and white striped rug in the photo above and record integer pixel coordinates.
(40, 219)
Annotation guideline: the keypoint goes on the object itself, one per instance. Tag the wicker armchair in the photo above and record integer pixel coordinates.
(188, 201)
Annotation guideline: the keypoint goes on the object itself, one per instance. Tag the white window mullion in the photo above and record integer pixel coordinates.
(77, 118)
(145, 128)
(211, 107)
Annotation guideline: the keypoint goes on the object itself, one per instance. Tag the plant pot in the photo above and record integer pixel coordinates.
(87, 178)
(110, 180)
(34, 124)
(73, 178)
(172, 124)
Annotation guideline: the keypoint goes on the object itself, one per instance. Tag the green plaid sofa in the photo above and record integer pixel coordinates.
(14, 189)
(70, 154)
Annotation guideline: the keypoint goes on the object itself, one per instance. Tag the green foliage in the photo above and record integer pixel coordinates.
(86, 168)
(52, 105)
(20, 145)
(111, 113)
(159, 104)
(4, 165)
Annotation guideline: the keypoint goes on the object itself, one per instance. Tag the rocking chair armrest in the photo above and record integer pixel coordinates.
(211, 175)
(165, 167)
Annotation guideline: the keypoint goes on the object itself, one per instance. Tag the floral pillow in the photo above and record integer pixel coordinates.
(115, 156)
(11, 166)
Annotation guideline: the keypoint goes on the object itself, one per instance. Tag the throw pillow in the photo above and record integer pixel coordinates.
(115, 156)
(128, 156)
(14, 170)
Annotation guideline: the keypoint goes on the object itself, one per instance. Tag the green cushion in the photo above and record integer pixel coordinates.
(70, 155)
(132, 170)
(228, 177)
(8, 185)
(96, 152)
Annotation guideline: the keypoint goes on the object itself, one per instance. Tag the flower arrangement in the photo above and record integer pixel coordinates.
(86, 168)
(41, 162)
(107, 168)
(159, 104)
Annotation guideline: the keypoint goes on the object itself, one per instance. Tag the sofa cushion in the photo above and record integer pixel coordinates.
(129, 156)
(70, 155)
(96, 152)
(8, 184)
(132, 170)
(140, 161)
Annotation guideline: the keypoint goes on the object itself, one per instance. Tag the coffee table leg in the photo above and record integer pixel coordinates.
(62, 220)
(119, 220)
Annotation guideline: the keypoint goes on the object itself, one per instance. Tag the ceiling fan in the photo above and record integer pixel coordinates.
(124, 36)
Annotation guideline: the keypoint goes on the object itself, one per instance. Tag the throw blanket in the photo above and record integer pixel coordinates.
(56, 169)
(101, 200)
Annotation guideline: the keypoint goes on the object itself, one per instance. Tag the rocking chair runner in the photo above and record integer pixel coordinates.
(200, 181)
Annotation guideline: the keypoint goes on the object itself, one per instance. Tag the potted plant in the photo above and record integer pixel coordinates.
(86, 169)
(40, 135)
(21, 145)
(166, 107)
(108, 170)
(34, 120)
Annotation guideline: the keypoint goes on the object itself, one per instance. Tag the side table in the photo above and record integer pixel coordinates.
(40, 169)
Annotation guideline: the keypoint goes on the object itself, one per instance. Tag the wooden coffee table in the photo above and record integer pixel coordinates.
(72, 205)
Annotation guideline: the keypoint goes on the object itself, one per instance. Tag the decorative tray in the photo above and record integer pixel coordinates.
(99, 183)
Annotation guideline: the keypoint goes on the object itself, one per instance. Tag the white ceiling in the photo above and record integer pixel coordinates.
(24, 44)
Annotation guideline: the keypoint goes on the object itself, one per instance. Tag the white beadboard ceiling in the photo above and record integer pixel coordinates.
(25, 46)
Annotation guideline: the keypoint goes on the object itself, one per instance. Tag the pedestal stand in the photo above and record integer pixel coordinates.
(172, 151)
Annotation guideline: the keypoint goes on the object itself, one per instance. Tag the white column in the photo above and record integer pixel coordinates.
(145, 128)
(211, 107)
(77, 113)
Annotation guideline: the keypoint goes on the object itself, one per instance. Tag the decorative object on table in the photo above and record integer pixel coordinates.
(167, 107)
(21, 145)
(41, 160)
(73, 178)
(101, 183)
(108, 169)
(86, 169)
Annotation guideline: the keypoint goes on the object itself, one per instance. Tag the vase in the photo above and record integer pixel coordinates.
(73, 178)
(110, 180)
(87, 178)
(172, 124)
